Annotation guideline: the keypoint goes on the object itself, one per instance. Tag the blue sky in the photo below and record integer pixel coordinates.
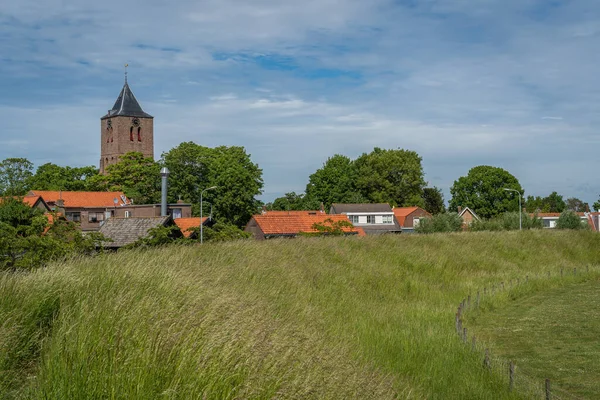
(510, 83)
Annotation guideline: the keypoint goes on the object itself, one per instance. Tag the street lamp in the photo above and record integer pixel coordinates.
(201, 226)
(520, 210)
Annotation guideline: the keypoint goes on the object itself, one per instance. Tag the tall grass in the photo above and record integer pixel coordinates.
(309, 318)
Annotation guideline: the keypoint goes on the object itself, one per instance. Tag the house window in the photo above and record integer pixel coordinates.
(73, 216)
(176, 213)
(127, 214)
(139, 133)
(370, 219)
(353, 219)
(416, 222)
(131, 133)
(387, 219)
(95, 217)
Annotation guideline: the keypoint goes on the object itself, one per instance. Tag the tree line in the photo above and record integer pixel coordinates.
(393, 176)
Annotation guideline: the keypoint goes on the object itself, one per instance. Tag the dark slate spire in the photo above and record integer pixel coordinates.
(126, 105)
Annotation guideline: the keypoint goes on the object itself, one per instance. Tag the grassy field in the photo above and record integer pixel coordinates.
(551, 334)
(322, 318)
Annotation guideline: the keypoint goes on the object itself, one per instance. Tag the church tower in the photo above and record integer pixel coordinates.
(125, 128)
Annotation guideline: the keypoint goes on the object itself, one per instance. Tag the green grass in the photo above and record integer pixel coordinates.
(550, 334)
(322, 318)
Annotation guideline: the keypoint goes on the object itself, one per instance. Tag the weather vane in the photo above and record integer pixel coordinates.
(126, 65)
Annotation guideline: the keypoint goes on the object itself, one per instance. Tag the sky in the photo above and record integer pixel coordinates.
(508, 83)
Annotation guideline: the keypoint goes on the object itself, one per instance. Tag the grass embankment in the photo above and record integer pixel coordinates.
(312, 318)
(553, 334)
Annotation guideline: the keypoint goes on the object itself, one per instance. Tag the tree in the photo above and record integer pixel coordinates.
(189, 165)
(570, 220)
(238, 181)
(14, 176)
(293, 201)
(553, 203)
(433, 200)
(222, 232)
(334, 183)
(135, 175)
(482, 190)
(390, 176)
(54, 177)
(577, 205)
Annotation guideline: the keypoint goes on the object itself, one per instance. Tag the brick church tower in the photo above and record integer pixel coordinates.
(125, 128)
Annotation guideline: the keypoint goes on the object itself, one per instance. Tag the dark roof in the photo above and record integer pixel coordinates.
(339, 208)
(374, 229)
(124, 231)
(127, 105)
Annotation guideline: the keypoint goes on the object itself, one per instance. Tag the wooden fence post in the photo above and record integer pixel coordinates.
(486, 359)
(511, 376)
(548, 391)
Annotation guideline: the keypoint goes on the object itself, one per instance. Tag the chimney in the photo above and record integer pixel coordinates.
(264, 210)
(164, 173)
(459, 209)
(322, 208)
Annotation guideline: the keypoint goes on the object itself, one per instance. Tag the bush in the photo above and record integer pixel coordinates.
(445, 222)
(570, 220)
(507, 222)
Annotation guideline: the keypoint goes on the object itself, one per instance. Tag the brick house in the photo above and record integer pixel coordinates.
(550, 219)
(467, 215)
(409, 217)
(290, 225)
(91, 209)
(376, 218)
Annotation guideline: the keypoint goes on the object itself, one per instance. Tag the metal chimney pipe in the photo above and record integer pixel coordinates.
(164, 173)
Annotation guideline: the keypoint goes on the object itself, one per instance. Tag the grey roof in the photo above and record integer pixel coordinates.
(375, 229)
(127, 105)
(340, 208)
(124, 231)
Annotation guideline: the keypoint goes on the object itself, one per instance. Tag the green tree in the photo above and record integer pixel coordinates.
(444, 222)
(482, 190)
(189, 165)
(570, 220)
(135, 175)
(433, 200)
(553, 203)
(391, 176)
(223, 232)
(577, 205)
(238, 181)
(334, 183)
(293, 201)
(54, 177)
(14, 176)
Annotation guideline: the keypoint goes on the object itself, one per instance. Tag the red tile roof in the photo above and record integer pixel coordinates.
(294, 224)
(293, 212)
(547, 215)
(186, 224)
(81, 199)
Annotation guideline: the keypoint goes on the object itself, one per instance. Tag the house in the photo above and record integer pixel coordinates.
(33, 202)
(550, 219)
(186, 225)
(593, 219)
(87, 208)
(467, 215)
(91, 209)
(409, 217)
(374, 218)
(125, 231)
(273, 226)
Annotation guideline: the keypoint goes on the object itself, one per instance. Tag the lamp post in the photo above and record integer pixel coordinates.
(520, 209)
(201, 226)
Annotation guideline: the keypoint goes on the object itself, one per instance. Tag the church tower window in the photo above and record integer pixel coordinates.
(139, 133)
(131, 134)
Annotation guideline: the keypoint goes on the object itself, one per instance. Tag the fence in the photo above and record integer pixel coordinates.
(517, 379)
